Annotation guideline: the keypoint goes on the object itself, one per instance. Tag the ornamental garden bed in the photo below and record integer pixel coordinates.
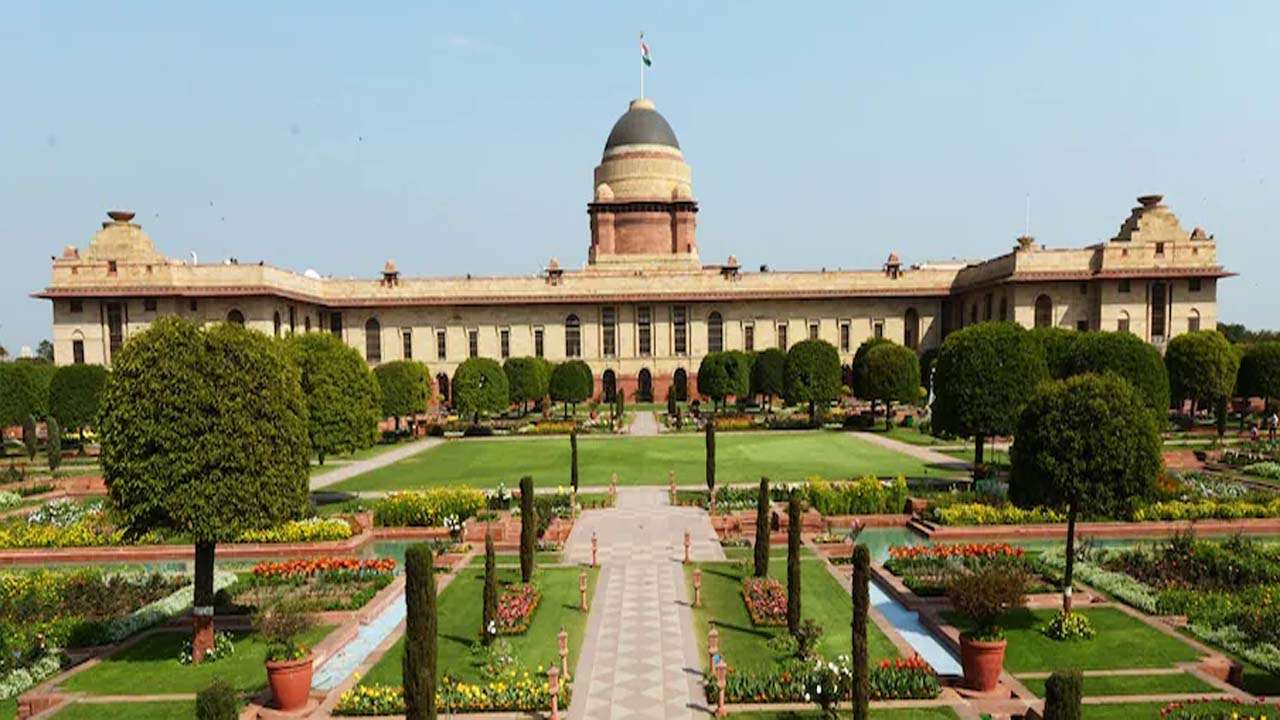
(324, 584)
(474, 678)
(928, 570)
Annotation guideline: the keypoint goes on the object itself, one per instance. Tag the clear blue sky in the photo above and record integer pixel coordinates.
(335, 135)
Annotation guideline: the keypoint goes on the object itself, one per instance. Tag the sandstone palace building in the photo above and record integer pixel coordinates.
(645, 308)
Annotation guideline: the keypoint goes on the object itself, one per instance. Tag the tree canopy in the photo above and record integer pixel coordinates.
(527, 379)
(713, 380)
(1260, 370)
(1059, 346)
(767, 378)
(1128, 356)
(76, 393)
(859, 366)
(812, 374)
(892, 375)
(480, 387)
(571, 382)
(342, 396)
(24, 390)
(1202, 366)
(405, 386)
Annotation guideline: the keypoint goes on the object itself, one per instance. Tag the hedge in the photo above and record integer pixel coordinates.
(427, 508)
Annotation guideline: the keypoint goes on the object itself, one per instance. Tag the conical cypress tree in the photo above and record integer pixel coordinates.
(711, 455)
(1062, 693)
(419, 666)
(490, 616)
(762, 530)
(528, 529)
(573, 458)
(860, 656)
(793, 564)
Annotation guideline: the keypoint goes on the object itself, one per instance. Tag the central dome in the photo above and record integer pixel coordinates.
(641, 125)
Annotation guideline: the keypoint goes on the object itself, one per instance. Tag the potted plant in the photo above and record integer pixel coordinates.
(983, 596)
(288, 661)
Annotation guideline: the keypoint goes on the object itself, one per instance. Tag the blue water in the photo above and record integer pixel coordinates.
(368, 637)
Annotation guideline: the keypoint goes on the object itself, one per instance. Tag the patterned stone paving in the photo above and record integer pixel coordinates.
(639, 659)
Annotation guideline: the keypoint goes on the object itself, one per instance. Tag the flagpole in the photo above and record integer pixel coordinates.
(642, 67)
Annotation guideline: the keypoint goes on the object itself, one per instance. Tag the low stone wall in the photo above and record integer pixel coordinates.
(1058, 531)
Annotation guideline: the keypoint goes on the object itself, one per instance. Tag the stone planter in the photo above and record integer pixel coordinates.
(290, 682)
(983, 662)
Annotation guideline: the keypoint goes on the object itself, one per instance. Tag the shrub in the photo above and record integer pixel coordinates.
(280, 626)
(218, 701)
(1062, 694)
(983, 596)
(984, 514)
(1069, 626)
(223, 647)
(1217, 710)
(427, 508)
(765, 600)
(1270, 470)
(864, 496)
(314, 529)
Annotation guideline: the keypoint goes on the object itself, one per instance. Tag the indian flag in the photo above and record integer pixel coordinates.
(644, 52)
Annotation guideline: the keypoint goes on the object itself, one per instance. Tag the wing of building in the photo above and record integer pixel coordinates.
(645, 309)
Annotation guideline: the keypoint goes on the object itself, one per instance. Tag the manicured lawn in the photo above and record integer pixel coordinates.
(1122, 642)
(1133, 685)
(460, 616)
(1130, 711)
(151, 667)
(926, 713)
(909, 435)
(9, 708)
(747, 646)
(741, 457)
(127, 711)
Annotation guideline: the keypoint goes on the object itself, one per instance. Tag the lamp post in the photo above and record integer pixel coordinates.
(595, 546)
(697, 587)
(582, 590)
(722, 671)
(613, 487)
(563, 640)
(671, 483)
(713, 642)
(686, 547)
(553, 685)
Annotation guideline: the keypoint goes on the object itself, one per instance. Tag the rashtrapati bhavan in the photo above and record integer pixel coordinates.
(645, 308)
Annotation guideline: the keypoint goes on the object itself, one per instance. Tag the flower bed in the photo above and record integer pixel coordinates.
(987, 514)
(314, 529)
(315, 585)
(900, 679)
(1218, 710)
(865, 496)
(1269, 470)
(514, 690)
(515, 609)
(766, 601)
(1208, 510)
(927, 570)
(428, 508)
(327, 566)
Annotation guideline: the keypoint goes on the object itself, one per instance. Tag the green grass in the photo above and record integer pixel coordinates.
(460, 617)
(941, 712)
(1134, 711)
(9, 708)
(1132, 685)
(363, 454)
(151, 667)
(128, 711)
(742, 457)
(909, 435)
(747, 646)
(1122, 642)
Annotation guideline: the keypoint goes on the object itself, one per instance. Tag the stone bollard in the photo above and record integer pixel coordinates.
(562, 639)
(686, 547)
(582, 590)
(595, 547)
(697, 587)
(722, 672)
(713, 642)
(553, 685)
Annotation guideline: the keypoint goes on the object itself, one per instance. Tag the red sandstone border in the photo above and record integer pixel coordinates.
(1057, 531)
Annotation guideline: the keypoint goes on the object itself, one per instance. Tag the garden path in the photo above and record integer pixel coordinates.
(639, 658)
(920, 452)
(643, 423)
(360, 467)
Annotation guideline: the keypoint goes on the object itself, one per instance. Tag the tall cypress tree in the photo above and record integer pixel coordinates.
(793, 563)
(711, 455)
(762, 530)
(528, 529)
(573, 458)
(860, 656)
(419, 665)
(490, 616)
(1062, 693)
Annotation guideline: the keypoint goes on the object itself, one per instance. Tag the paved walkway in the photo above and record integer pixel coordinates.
(359, 467)
(920, 452)
(639, 658)
(644, 424)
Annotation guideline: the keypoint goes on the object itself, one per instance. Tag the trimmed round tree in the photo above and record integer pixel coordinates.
(1260, 371)
(204, 432)
(859, 369)
(984, 376)
(1202, 368)
(1059, 347)
(737, 367)
(405, 386)
(75, 394)
(1128, 356)
(418, 665)
(812, 375)
(1087, 444)
(892, 375)
(571, 383)
(342, 395)
(767, 375)
(480, 388)
(526, 381)
(713, 379)
(761, 547)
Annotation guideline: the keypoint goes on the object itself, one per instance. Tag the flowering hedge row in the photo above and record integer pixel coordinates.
(1218, 710)
(428, 508)
(766, 601)
(314, 529)
(900, 679)
(1208, 510)
(954, 550)
(311, 567)
(867, 495)
(515, 609)
(984, 514)
(512, 691)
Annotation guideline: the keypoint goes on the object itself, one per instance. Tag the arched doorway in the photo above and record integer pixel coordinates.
(911, 331)
(680, 385)
(442, 383)
(1044, 311)
(235, 316)
(609, 385)
(644, 386)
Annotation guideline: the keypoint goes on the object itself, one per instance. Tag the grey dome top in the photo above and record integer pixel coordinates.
(641, 125)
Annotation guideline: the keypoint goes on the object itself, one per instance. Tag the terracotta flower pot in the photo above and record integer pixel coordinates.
(290, 682)
(982, 662)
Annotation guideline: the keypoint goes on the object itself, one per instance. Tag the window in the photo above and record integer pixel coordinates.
(293, 319)
(644, 330)
(1044, 311)
(1082, 325)
(911, 329)
(537, 343)
(373, 340)
(504, 342)
(987, 304)
(77, 352)
(1004, 308)
(973, 313)
(442, 345)
(715, 332)
(406, 340)
(77, 306)
(115, 327)
(813, 331)
(680, 329)
(1159, 248)
(275, 323)
(1159, 311)
(609, 331)
(235, 316)
(572, 337)
(112, 268)
(844, 337)
(473, 343)
(782, 336)
(749, 338)
(877, 329)
(306, 323)
(335, 324)
(1193, 321)
(1122, 324)
(1193, 284)
(1084, 288)
(1124, 286)
(192, 305)
(149, 304)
